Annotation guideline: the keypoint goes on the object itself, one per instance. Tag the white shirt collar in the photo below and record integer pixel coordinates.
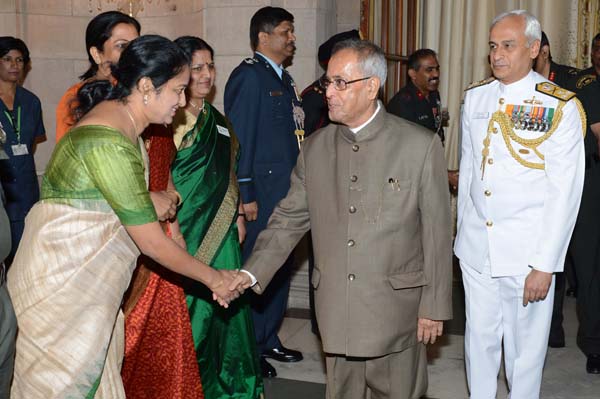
(278, 68)
(357, 129)
(522, 84)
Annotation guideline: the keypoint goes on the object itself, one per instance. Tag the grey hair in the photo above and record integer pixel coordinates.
(533, 29)
(371, 58)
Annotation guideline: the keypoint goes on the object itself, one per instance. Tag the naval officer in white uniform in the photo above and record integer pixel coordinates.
(521, 177)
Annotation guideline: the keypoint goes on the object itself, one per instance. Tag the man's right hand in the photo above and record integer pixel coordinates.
(251, 211)
(241, 282)
(220, 287)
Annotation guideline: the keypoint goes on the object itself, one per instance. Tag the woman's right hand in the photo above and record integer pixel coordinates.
(164, 205)
(221, 281)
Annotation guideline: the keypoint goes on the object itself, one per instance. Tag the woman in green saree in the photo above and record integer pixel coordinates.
(204, 175)
(82, 239)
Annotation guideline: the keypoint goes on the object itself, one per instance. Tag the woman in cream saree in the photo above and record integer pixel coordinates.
(81, 241)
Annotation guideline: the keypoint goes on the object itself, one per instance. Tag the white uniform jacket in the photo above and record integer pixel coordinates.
(517, 205)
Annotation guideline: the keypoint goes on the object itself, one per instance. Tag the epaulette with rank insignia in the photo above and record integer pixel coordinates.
(555, 91)
(480, 83)
(250, 60)
(585, 80)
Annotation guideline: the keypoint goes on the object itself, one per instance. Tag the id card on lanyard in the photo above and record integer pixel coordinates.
(17, 149)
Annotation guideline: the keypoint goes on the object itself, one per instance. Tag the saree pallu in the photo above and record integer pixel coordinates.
(204, 174)
(160, 359)
(67, 283)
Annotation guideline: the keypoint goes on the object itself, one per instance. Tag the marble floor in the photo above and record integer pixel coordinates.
(564, 375)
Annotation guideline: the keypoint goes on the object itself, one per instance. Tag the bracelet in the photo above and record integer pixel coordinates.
(176, 237)
(179, 199)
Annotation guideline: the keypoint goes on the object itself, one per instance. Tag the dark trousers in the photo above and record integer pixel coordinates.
(556, 330)
(585, 251)
(268, 309)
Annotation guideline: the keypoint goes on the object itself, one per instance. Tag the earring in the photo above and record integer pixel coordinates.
(145, 99)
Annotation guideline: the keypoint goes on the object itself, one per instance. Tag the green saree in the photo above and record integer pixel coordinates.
(204, 175)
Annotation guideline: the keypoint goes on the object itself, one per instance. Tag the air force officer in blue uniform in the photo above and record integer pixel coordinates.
(260, 101)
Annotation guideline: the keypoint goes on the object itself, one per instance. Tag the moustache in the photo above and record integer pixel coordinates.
(292, 44)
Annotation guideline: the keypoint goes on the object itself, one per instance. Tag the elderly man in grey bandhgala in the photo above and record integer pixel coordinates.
(373, 191)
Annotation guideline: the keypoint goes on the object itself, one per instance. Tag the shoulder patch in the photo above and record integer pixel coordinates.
(555, 91)
(480, 83)
(585, 80)
(250, 60)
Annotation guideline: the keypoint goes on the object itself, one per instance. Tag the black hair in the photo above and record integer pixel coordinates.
(545, 42)
(414, 60)
(265, 20)
(596, 38)
(191, 44)
(8, 43)
(99, 30)
(151, 56)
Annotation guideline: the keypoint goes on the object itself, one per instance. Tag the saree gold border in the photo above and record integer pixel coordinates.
(223, 218)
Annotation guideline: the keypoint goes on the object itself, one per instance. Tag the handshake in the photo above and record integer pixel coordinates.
(227, 285)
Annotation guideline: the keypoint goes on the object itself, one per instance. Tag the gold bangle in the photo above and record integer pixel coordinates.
(179, 199)
(175, 237)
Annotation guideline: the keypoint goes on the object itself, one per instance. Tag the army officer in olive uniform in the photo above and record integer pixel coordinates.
(586, 236)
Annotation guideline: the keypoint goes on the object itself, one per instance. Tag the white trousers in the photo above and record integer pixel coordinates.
(495, 312)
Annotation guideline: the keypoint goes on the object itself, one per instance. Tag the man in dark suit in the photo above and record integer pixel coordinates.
(262, 103)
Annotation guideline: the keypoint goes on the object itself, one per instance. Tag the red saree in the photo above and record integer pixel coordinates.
(160, 360)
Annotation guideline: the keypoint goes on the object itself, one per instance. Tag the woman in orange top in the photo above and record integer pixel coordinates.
(106, 37)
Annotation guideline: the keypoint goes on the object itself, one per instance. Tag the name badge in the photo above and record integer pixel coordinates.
(481, 115)
(19, 149)
(223, 130)
(276, 93)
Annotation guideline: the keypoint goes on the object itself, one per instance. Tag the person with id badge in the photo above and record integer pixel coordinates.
(21, 127)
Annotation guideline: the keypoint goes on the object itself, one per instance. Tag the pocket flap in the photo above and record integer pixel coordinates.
(316, 278)
(407, 280)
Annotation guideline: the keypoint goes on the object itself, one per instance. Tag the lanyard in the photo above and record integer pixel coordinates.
(17, 128)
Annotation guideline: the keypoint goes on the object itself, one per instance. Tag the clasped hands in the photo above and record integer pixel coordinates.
(229, 285)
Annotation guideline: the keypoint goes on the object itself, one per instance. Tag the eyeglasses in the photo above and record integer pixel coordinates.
(338, 83)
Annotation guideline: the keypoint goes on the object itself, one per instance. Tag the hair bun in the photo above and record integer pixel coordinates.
(90, 94)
